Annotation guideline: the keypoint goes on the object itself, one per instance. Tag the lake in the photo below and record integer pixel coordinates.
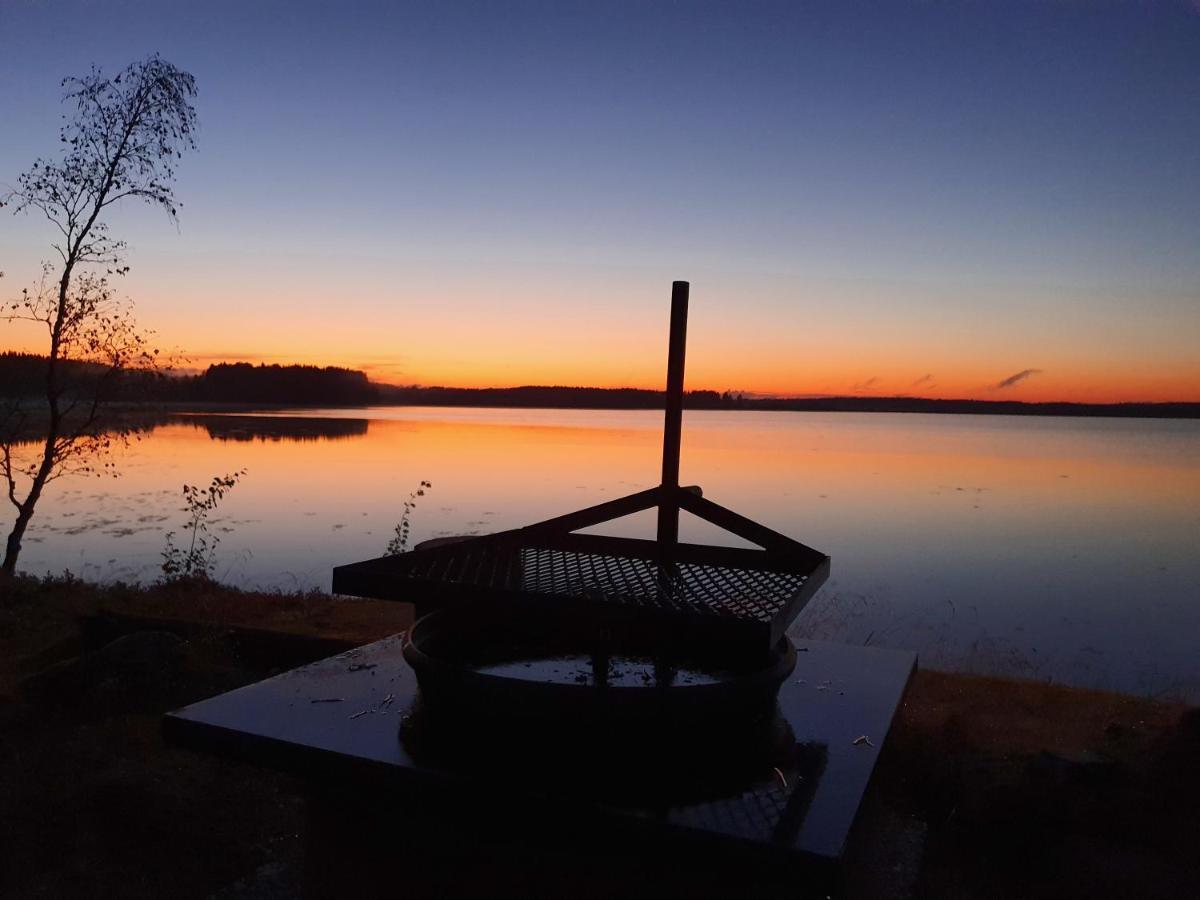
(1059, 549)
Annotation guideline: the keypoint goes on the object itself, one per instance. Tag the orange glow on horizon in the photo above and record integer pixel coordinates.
(514, 357)
(976, 383)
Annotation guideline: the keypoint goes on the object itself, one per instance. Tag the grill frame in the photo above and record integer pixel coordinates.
(747, 597)
(492, 568)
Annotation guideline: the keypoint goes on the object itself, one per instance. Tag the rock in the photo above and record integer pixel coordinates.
(133, 672)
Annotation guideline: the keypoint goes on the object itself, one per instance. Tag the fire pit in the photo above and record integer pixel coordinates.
(607, 695)
(606, 636)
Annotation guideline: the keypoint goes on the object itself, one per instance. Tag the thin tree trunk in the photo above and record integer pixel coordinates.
(25, 511)
(12, 548)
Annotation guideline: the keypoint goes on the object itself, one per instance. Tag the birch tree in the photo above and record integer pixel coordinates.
(120, 141)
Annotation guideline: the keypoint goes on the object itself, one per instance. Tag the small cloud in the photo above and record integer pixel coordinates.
(1014, 380)
(924, 379)
(864, 385)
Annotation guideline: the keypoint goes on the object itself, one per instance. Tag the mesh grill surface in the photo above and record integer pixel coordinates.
(754, 594)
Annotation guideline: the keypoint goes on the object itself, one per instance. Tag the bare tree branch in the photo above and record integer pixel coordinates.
(121, 143)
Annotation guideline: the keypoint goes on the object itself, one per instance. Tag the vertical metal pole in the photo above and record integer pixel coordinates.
(668, 511)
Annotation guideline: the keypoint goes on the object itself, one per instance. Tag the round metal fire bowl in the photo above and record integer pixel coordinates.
(522, 690)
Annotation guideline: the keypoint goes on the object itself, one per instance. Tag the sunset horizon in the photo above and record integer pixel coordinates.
(1019, 386)
(447, 196)
(1030, 383)
(600, 448)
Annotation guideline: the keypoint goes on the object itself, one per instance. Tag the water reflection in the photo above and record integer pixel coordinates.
(277, 428)
(1049, 548)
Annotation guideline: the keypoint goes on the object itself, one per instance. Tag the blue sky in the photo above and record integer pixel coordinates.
(856, 190)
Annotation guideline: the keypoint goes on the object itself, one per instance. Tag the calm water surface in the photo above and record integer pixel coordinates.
(1064, 549)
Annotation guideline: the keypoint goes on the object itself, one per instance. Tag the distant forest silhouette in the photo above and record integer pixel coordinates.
(634, 398)
(22, 374)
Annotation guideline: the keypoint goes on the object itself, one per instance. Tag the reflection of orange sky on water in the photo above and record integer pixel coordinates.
(895, 467)
(944, 530)
(516, 468)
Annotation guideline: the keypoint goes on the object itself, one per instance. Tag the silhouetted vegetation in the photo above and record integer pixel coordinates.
(632, 398)
(297, 385)
(121, 142)
(399, 542)
(549, 397)
(244, 383)
(976, 407)
(23, 375)
(197, 560)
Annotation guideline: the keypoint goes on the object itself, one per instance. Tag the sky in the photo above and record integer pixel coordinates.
(938, 199)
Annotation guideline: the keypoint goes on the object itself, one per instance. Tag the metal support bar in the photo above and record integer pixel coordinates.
(737, 524)
(668, 509)
(594, 515)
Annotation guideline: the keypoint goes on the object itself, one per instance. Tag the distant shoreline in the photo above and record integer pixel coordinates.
(243, 386)
(600, 398)
(136, 414)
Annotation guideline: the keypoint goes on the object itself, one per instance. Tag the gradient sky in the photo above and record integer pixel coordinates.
(868, 198)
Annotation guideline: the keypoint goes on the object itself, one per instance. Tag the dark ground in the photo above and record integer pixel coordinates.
(988, 788)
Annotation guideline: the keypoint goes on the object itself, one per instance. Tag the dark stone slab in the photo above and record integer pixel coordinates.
(339, 721)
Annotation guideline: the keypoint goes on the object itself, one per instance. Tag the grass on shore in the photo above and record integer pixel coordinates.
(987, 787)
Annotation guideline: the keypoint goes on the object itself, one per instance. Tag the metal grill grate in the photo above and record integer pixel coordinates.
(695, 588)
(689, 587)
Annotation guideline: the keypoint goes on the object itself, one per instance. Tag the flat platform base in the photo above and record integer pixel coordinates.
(338, 721)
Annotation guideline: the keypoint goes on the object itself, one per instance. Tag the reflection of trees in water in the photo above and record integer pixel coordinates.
(31, 435)
(219, 427)
(279, 428)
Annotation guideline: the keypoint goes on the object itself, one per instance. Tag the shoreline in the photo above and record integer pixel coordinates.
(132, 417)
(986, 787)
(505, 399)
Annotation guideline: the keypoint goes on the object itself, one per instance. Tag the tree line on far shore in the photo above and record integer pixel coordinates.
(635, 398)
(23, 374)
